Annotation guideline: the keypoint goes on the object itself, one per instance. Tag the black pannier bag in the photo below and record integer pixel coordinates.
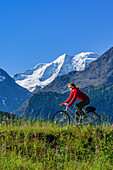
(90, 109)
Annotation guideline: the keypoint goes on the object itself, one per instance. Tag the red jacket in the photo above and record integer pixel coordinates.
(76, 94)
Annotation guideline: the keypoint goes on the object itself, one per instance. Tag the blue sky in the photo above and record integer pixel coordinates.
(36, 31)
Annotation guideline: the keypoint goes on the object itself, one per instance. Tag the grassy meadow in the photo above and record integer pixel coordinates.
(33, 144)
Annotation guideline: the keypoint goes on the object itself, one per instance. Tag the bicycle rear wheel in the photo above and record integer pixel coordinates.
(61, 118)
(92, 118)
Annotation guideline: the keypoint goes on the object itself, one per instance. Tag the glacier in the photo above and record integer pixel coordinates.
(44, 73)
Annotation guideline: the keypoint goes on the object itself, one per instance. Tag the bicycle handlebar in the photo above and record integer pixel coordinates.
(66, 105)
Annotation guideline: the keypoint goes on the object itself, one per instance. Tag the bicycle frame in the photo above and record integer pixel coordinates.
(69, 111)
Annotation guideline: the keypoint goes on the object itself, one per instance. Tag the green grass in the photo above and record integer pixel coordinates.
(42, 145)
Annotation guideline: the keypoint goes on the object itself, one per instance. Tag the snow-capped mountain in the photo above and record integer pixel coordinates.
(11, 94)
(97, 73)
(44, 73)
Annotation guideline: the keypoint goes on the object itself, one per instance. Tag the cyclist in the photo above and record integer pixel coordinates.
(79, 95)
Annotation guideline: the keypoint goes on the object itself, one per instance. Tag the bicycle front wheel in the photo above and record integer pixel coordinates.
(61, 118)
(92, 118)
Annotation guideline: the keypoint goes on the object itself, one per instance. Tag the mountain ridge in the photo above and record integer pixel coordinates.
(98, 72)
(44, 73)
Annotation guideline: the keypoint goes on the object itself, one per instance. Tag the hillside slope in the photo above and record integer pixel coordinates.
(11, 94)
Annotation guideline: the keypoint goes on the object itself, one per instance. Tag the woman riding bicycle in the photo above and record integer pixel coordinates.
(79, 95)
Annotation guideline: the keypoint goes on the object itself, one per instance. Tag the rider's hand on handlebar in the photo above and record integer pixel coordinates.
(66, 104)
(62, 104)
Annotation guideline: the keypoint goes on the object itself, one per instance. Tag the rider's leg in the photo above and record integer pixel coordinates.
(79, 106)
(77, 118)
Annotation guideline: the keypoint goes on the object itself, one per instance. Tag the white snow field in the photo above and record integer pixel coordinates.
(44, 73)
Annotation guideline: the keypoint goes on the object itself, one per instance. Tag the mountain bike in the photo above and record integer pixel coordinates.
(67, 116)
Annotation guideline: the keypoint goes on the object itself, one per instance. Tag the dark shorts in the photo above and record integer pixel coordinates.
(79, 106)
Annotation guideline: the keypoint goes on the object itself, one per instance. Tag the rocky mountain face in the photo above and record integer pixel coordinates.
(98, 72)
(11, 94)
(45, 73)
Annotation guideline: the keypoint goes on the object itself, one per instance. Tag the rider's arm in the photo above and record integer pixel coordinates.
(68, 100)
(72, 101)
(74, 98)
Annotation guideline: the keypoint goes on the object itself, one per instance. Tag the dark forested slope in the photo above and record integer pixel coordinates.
(45, 103)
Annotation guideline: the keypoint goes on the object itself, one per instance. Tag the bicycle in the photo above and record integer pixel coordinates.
(64, 117)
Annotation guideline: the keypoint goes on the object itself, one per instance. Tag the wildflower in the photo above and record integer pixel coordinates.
(25, 125)
(78, 166)
(3, 144)
(66, 147)
(7, 121)
(96, 147)
(98, 154)
(57, 151)
(15, 119)
(25, 143)
(2, 134)
(44, 127)
(112, 148)
(94, 127)
(5, 151)
(18, 143)
(36, 153)
(1, 154)
(35, 134)
(4, 116)
(112, 124)
(11, 113)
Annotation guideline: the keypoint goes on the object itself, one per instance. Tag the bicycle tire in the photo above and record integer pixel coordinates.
(92, 118)
(61, 118)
